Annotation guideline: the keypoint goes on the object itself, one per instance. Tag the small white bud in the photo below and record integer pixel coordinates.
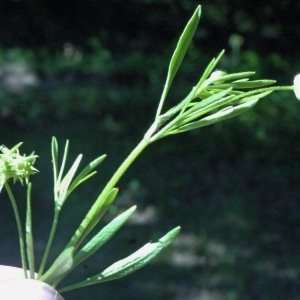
(216, 75)
(297, 86)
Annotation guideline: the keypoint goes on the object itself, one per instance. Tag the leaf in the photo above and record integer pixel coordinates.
(139, 258)
(88, 225)
(221, 99)
(129, 264)
(252, 84)
(182, 45)
(29, 235)
(219, 116)
(61, 171)
(85, 228)
(54, 152)
(182, 106)
(249, 96)
(103, 236)
(208, 70)
(179, 53)
(61, 265)
(195, 90)
(214, 101)
(86, 172)
(62, 188)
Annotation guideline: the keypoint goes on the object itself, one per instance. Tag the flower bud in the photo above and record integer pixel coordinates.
(297, 86)
(213, 79)
(216, 75)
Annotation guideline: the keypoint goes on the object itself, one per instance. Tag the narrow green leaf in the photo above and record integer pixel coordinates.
(61, 171)
(183, 44)
(62, 188)
(219, 116)
(74, 186)
(103, 236)
(29, 234)
(252, 84)
(88, 225)
(86, 172)
(99, 239)
(203, 107)
(131, 263)
(212, 91)
(139, 258)
(212, 102)
(54, 151)
(181, 107)
(201, 85)
(61, 265)
(249, 96)
(69, 176)
(179, 53)
(209, 69)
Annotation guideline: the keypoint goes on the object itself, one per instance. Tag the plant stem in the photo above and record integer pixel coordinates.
(49, 243)
(89, 222)
(19, 226)
(83, 228)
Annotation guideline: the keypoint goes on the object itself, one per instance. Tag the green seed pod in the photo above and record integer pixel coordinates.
(15, 166)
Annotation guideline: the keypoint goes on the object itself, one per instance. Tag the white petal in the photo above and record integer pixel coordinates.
(297, 86)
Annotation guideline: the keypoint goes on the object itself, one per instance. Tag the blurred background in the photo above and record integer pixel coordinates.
(92, 72)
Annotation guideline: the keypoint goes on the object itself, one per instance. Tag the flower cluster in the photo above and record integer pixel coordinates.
(15, 166)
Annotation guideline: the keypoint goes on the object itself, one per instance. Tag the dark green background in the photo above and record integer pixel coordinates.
(233, 187)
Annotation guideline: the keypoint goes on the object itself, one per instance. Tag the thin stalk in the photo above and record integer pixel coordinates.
(162, 100)
(19, 226)
(283, 88)
(49, 243)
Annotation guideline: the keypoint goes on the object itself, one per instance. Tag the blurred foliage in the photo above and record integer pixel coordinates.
(92, 59)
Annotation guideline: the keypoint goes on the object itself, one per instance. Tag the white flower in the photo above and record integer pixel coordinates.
(297, 86)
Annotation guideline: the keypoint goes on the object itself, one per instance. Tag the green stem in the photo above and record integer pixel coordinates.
(49, 243)
(84, 229)
(90, 220)
(279, 88)
(19, 226)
